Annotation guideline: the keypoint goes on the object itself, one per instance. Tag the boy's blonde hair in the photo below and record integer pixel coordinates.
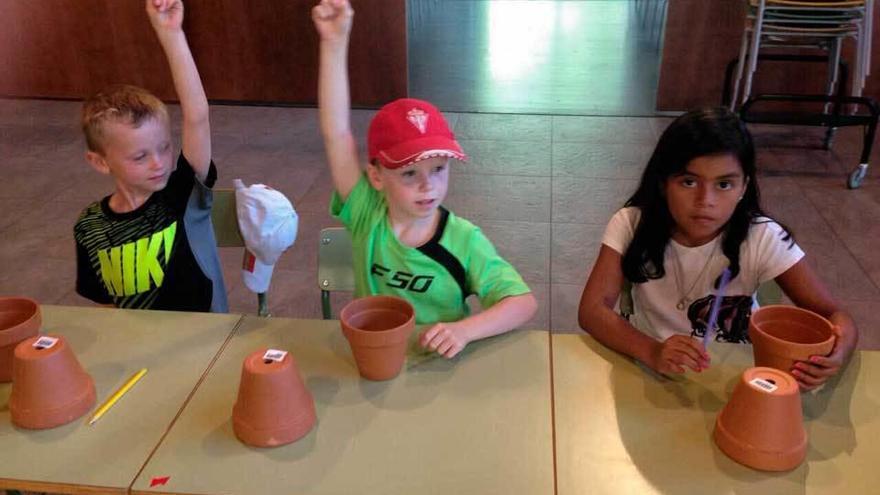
(120, 103)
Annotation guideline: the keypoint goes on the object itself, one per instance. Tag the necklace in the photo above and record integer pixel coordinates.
(678, 275)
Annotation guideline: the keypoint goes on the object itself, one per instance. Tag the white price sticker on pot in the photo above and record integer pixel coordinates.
(765, 385)
(45, 342)
(274, 355)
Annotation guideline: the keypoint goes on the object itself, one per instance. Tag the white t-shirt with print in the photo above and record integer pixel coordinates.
(764, 255)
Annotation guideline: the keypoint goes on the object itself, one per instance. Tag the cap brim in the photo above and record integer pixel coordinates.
(416, 150)
(257, 275)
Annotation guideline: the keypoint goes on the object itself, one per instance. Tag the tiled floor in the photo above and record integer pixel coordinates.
(542, 187)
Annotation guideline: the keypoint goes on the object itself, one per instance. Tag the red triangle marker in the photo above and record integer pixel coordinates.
(159, 481)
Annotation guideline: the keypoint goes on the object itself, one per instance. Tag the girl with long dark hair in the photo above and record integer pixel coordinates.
(696, 213)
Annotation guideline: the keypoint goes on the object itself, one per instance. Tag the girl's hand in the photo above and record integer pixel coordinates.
(818, 369)
(165, 15)
(332, 19)
(446, 339)
(677, 353)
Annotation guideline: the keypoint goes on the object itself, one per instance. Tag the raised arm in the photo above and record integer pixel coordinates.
(596, 315)
(166, 16)
(332, 20)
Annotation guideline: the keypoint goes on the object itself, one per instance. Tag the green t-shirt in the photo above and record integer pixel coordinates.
(435, 277)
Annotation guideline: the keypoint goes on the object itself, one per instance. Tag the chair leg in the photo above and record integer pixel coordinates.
(262, 305)
(868, 141)
(739, 69)
(833, 69)
(858, 81)
(753, 53)
(325, 305)
(858, 174)
(866, 36)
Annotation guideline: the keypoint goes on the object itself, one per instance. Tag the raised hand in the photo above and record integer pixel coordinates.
(332, 19)
(165, 15)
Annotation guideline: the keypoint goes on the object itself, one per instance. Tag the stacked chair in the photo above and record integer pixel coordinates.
(779, 30)
(822, 24)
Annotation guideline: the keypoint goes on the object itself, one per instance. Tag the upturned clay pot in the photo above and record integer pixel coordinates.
(274, 407)
(782, 335)
(377, 329)
(762, 424)
(20, 318)
(49, 386)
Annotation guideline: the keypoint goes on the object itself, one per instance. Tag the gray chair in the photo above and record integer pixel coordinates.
(335, 272)
(225, 220)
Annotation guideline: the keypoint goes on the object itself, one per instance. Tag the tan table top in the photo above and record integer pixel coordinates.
(479, 424)
(622, 429)
(111, 345)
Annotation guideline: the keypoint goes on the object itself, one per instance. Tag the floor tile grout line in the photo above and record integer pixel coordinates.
(837, 235)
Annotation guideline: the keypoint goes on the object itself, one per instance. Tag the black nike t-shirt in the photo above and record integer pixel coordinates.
(160, 256)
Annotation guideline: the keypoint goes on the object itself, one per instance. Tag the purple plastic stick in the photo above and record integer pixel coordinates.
(716, 306)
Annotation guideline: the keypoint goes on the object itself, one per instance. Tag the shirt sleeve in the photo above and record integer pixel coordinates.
(87, 283)
(621, 229)
(183, 180)
(774, 254)
(357, 209)
(491, 277)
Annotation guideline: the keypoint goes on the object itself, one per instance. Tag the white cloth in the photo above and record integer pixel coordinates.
(764, 255)
(268, 225)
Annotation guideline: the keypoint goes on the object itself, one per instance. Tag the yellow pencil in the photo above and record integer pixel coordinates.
(117, 395)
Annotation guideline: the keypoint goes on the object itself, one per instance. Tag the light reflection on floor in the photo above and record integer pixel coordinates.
(598, 57)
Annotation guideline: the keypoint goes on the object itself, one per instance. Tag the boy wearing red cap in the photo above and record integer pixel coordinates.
(404, 242)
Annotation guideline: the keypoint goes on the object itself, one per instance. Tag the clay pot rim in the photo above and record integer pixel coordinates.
(20, 330)
(306, 417)
(378, 338)
(351, 331)
(764, 460)
(71, 404)
(279, 436)
(796, 345)
(55, 417)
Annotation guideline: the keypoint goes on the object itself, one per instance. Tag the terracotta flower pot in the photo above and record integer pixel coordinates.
(377, 329)
(20, 318)
(762, 425)
(49, 387)
(782, 335)
(274, 407)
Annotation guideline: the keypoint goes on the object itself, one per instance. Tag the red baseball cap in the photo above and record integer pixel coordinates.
(408, 130)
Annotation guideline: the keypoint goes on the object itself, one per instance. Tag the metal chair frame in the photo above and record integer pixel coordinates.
(335, 271)
(786, 23)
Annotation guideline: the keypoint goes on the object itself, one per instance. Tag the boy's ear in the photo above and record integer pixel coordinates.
(97, 161)
(375, 176)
